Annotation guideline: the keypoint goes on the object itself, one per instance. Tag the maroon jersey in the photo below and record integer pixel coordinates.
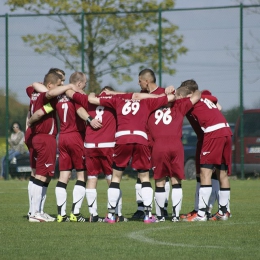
(167, 122)
(165, 126)
(194, 123)
(69, 120)
(47, 124)
(210, 119)
(158, 91)
(105, 134)
(132, 116)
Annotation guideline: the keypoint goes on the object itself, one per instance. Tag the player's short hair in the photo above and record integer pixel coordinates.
(183, 91)
(52, 78)
(148, 74)
(76, 77)
(191, 84)
(57, 71)
(107, 87)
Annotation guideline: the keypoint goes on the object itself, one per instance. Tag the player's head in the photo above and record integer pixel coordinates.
(106, 88)
(191, 84)
(60, 72)
(182, 92)
(79, 79)
(52, 80)
(146, 76)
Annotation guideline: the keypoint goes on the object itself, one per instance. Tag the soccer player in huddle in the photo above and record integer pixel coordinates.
(165, 127)
(44, 140)
(215, 154)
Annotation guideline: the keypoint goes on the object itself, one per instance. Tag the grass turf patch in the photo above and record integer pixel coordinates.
(237, 238)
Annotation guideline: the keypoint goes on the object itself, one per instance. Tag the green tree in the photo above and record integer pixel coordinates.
(118, 34)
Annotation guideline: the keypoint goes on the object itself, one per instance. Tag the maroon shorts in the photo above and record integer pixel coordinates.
(99, 160)
(168, 159)
(32, 153)
(139, 153)
(216, 151)
(45, 149)
(71, 151)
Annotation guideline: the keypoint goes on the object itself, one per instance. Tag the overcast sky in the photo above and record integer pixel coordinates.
(212, 38)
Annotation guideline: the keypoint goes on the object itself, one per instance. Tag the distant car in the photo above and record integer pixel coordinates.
(251, 147)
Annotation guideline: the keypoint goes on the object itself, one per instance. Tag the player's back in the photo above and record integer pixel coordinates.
(67, 114)
(107, 117)
(210, 119)
(166, 122)
(132, 116)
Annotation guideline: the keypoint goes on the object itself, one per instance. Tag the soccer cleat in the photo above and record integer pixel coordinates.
(195, 217)
(64, 218)
(175, 219)
(183, 216)
(149, 220)
(50, 218)
(111, 220)
(218, 216)
(77, 218)
(160, 219)
(121, 219)
(95, 218)
(139, 214)
(38, 217)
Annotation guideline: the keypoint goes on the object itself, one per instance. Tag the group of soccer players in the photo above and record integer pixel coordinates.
(104, 133)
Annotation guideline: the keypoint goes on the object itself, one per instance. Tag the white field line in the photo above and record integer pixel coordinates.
(142, 236)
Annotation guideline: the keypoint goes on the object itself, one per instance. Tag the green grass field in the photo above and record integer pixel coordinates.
(237, 238)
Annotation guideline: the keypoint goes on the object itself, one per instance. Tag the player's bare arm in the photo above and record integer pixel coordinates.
(83, 114)
(140, 96)
(37, 115)
(54, 92)
(112, 92)
(93, 99)
(195, 97)
(39, 87)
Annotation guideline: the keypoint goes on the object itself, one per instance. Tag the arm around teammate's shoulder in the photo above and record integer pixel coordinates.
(195, 97)
(93, 99)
